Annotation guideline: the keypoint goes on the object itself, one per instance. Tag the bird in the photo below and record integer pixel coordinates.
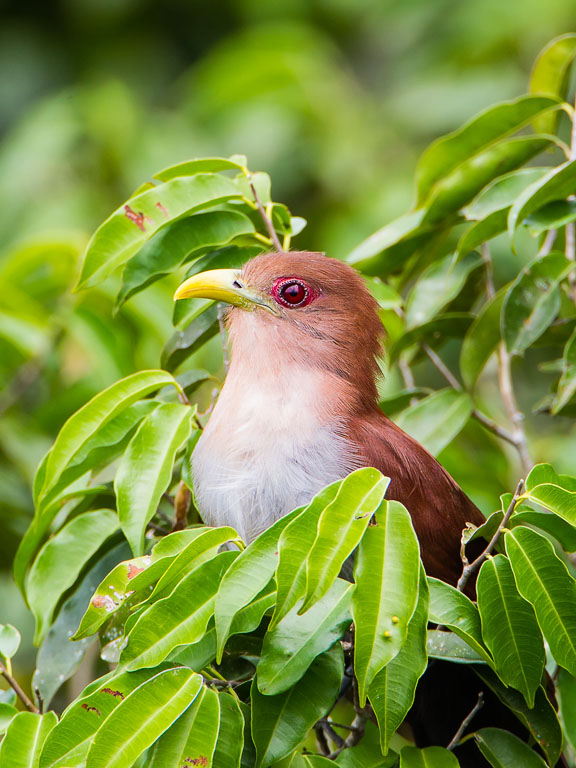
(299, 406)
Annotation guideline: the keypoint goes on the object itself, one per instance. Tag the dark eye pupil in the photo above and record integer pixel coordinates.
(293, 293)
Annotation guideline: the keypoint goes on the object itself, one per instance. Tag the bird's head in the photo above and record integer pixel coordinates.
(298, 307)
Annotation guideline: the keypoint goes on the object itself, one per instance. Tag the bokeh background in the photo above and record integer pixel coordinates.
(335, 99)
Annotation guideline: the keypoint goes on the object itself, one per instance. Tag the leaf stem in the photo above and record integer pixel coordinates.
(265, 218)
(13, 683)
(466, 722)
(471, 568)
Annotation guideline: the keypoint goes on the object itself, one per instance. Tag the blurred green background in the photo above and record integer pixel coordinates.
(335, 99)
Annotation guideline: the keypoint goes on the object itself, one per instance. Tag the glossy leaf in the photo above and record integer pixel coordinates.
(279, 723)
(541, 474)
(554, 215)
(482, 231)
(392, 691)
(386, 573)
(509, 628)
(248, 575)
(556, 499)
(7, 713)
(550, 74)
(202, 165)
(504, 750)
(533, 301)
(294, 544)
(146, 468)
(499, 195)
(24, 738)
(295, 642)
(436, 420)
(367, 753)
(449, 646)
(142, 717)
(429, 757)
(566, 693)
(366, 256)
(69, 742)
(178, 619)
(184, 343)
(445, 154)
(9, 640)
(438, 285)
(543, 580)
(557, 184)
(228, 752)
(129, 227)
(541, 720)
(340, 527)
(61, 559)
(482, 339)
(451, 608)
(563, 532)
(174, 245)
(191, 739)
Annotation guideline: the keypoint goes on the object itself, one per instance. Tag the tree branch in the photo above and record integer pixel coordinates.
(265, 218)
(471, 568)
(13, 683)
(466, 722)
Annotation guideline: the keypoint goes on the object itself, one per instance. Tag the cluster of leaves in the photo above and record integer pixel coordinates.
(237, 657)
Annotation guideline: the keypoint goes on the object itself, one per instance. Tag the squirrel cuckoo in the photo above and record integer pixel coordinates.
(299, 410)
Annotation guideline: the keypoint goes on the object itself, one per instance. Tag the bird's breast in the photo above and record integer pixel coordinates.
(266, 450)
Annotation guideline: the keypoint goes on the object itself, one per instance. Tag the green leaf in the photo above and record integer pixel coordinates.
(504, 750)
(550, 75)
(482, 339)
(142, 717)
(429, 757)
(340, 527)
(447, 645)
(280, 723)
(541, 474)
(295, 642)
(228, 751)
(543, 580)
(434, 333)
(445, 154)
(179, 619)
(510, 629)
(567, 383)
(174, 245)
(451, 608)
(557, 184)
(533, 301)
(566, 693)
(109, 595)
(550, 523)
(202, 547)
(7, 713)
(60, 561)
(202, 165)
(386, 573)
(191, 739)
(367, 754)
(556, 499)
(436, 420)
(554, 215)
(184, 343)
(9, 640)
(392, 691)
(69, 742)
(501, 193)
(24, 739)
(366, 256)
(437, 286)
(58, 658)
(481, 231)
(131, 225)
(248, 575)
(461, 185)
(541, 720)
(145, 471)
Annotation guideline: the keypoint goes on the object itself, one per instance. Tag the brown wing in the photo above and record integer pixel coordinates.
(439, 507)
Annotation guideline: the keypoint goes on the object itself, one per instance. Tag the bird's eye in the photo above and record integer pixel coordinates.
(292, 292)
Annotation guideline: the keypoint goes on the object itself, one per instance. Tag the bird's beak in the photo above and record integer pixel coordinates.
(225, 285)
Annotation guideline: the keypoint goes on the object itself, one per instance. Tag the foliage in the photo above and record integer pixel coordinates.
(237, 655)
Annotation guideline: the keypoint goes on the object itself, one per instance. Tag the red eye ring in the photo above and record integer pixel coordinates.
(292, 292)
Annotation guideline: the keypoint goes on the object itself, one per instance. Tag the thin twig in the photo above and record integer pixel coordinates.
(548, 242)
(265, 218)
(466, 722)
(486, 421)
(158, 529)
(13, 683)
(406, 372)
(471, 568)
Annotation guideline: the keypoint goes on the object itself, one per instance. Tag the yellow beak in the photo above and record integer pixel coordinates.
(225, 285)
